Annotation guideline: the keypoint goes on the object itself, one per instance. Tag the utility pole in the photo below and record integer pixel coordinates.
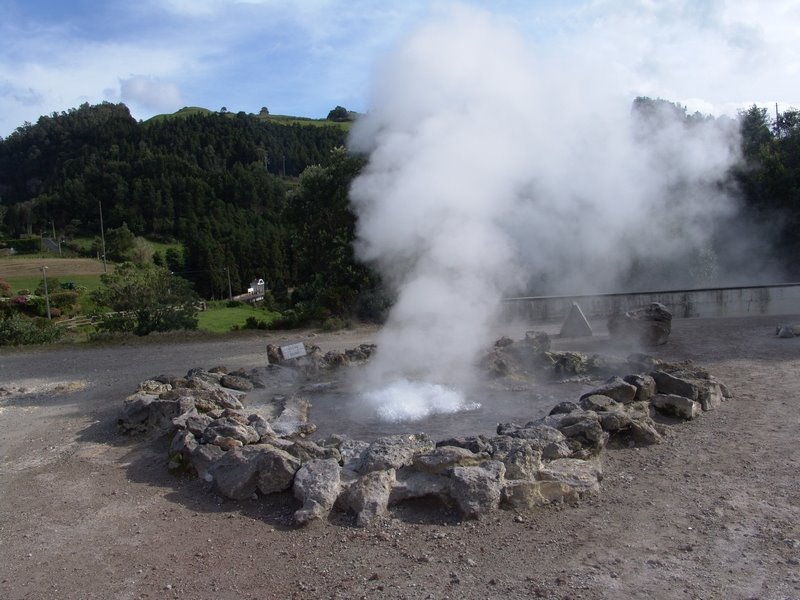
(102, 234)
(53, 225)
(46, 294)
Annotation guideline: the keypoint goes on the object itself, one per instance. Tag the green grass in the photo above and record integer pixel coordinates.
(186, 111)
(84, 243)
(280, 119)
(162, 247)
(90, 282)
(218, 318)
(290, 120)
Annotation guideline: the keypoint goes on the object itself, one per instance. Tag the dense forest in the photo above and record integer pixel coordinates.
(250, 197)
(238, 191)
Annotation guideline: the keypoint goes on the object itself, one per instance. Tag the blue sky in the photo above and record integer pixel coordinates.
(304, 57)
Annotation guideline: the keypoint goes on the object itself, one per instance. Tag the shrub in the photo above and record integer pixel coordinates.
(52, 284)
(16, 330)
(287, 320)
(29, 245)
(64, 299)
(253, 323)
(5, 289)
(335, 324)
(55, 312)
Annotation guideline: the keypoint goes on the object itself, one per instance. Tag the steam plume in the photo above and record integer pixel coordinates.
(489, 168)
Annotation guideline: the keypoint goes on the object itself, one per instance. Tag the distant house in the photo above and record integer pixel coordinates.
(256, 287)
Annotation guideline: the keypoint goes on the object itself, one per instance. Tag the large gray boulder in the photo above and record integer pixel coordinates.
(583, 476)
(645, 386)
(525, 494)
(317, 485)
(615, 388)
(235, 473)
(478, 490)
(306, 450)
(696, 385)
(541, 436)
(293, 419)
(597, 403)
(411, 484)
(649, 325)
(369, 496)
(162, 413)
(443, 458)
(202, 457)
(394, 451)
(227, 427)
(236, 382)
(277, 469)
(521, 457)
(135, 413)
(676, 406)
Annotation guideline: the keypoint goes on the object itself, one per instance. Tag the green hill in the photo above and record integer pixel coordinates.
(188, 111)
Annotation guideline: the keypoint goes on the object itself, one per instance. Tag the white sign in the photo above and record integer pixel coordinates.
(293, 350)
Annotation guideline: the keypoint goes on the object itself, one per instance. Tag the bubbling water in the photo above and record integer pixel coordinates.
(405, 400)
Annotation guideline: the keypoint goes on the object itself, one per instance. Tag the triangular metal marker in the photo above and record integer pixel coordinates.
(576, 325)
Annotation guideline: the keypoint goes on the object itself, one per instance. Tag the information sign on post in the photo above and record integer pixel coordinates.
(293, 350)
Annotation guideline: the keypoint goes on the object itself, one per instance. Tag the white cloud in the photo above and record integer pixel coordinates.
(149, 93)
(305, 57)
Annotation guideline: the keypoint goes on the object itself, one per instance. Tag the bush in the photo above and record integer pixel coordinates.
(16, 330)
(52, 284)
(64, 299)
(29, 245)
(288, 320)
(335, 324)
(253, 323)
(5, 289)
(233, 304)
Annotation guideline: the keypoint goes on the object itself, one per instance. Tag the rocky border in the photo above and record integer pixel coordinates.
(554, 459)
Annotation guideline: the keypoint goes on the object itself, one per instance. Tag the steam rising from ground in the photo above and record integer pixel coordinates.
(490, 168)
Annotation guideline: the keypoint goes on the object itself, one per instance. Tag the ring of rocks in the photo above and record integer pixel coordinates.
(551, 460)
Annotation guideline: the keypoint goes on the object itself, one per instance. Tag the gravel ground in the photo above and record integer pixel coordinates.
(713, 512)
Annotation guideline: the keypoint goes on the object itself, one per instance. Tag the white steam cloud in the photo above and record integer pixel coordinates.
(490, 167)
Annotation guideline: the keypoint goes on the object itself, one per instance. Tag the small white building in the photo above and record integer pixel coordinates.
(256, 287)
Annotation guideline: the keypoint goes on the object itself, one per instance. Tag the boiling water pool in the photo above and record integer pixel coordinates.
(348, 414)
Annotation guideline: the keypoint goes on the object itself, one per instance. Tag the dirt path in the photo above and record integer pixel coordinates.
(713, 512)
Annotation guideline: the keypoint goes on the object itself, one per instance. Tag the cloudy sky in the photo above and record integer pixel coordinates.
(304, 57)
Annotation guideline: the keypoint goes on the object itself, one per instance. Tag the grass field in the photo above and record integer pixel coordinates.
(280, 119)
(221, 319)
(23, 272)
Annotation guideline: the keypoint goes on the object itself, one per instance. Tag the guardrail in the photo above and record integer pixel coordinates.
(776, 299)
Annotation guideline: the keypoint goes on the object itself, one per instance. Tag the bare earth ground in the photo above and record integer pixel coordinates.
(713, 512)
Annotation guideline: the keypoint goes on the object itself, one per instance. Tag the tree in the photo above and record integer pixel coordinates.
(322, 230)
(340, 113)
(119, 242)
(146, 299)
(755, 128)
(264, 112)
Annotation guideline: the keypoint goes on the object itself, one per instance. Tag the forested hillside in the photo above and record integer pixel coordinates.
(252, 197)
(217, 182)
